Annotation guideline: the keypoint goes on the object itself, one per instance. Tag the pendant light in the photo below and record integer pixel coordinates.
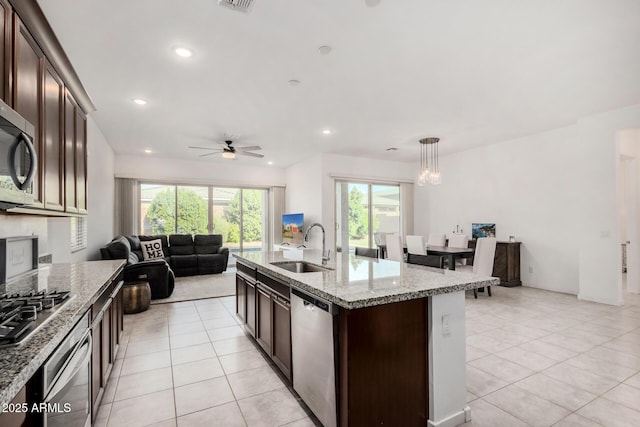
(429, 167)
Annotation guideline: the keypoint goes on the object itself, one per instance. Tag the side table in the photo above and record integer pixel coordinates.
(136, 296)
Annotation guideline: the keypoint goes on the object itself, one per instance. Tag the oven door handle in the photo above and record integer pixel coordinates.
(79, 359)
(32, 164)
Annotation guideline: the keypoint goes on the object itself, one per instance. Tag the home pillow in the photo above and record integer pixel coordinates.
(152, 249)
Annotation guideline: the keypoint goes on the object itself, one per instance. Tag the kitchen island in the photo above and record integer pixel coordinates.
(397, 339)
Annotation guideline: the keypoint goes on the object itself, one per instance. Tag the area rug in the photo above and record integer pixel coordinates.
(199, 287)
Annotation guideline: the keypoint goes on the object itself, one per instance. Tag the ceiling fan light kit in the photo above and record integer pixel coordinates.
(229, 151)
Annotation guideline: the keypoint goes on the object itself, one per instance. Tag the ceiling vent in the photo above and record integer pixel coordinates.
(239, 5)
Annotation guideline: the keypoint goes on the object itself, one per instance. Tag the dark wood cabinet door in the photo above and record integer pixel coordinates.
(106, 344)
(263, 315)
(281, 344)
(28, 67)
(6, 26)
(70, 204)
(96, 366)
(251, 308)
(81, 161)
(241, 292)
(52, 153)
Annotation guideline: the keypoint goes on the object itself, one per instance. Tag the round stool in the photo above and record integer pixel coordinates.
(136, 296)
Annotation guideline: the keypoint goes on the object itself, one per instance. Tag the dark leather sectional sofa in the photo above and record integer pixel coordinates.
(184, 255)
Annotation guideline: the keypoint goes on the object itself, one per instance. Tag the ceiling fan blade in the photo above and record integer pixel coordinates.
(205, 148)
(252, 148)
(209, 154)
(247, 153)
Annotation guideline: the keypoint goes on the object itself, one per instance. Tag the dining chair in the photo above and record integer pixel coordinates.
(482, 260)
(381, 242)
(415, 245)
(428, 260)
(459, 241)
(437, 240)
(368, 252)
(394, 248)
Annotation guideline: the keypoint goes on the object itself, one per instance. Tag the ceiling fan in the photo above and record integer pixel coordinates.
(229, 151)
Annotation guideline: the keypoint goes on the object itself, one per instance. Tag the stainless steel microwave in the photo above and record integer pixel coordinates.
(18, 160)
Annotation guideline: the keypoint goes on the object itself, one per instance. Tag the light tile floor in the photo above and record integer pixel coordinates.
(190, 364)
(534, 358)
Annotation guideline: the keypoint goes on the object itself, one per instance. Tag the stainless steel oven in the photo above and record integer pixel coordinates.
(18, 160)
(66, 378)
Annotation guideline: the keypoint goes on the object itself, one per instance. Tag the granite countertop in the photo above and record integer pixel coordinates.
(356, 282)
(85, 280)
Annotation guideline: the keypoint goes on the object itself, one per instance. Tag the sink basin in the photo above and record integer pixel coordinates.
(300, 267)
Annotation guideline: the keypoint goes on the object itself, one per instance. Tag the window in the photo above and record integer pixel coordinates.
(78, 233)
(239, 214)
(363, 209)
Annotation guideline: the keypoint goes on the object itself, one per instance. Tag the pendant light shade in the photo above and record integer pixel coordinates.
(429, 168)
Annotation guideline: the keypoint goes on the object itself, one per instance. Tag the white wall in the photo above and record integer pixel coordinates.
(197, 172)
(555, 191)
(311, 187)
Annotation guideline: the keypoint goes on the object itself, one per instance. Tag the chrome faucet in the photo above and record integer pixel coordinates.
(325, 258)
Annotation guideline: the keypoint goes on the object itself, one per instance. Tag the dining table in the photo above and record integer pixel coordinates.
(452, 254)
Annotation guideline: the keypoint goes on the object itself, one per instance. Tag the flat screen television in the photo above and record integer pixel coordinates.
(292, 232)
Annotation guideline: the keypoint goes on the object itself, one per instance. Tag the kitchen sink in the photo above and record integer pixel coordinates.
(300, 267)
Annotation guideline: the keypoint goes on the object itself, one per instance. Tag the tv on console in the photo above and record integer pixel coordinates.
(292, 232)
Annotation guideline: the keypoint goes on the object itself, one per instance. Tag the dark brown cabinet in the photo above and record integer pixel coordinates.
(263, 303)
(106, 328)
(70, 204)
(6, 25)
(263, 327)
(250, 321)
(81, 162)
(281, 342)
(28, 71)
(506, 263)
(53, 159)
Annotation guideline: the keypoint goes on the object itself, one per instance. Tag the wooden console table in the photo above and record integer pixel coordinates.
(506, 264)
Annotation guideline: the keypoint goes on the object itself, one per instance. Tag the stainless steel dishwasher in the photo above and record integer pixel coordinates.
(312, 342)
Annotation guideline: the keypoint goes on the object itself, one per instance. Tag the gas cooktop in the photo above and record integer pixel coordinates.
(22, 313)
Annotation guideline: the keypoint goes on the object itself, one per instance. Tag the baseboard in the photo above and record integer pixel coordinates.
(609, 301)
(452, 420)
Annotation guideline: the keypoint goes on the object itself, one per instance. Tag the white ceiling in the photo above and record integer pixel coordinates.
(470, 72)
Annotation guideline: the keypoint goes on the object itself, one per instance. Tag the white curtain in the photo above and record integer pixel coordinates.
(276, 209)
(127, 206)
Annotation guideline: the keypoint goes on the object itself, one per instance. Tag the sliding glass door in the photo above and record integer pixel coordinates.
(365, 208)
(238, 214)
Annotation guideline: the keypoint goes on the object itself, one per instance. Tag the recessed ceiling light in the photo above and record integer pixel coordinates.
(269, 163)
(325, 50)
(183, 52)
(140, 101)
(326, 132)
(372, 3)
(294, 82)
(147, 151)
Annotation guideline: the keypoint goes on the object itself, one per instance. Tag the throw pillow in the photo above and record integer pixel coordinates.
(152, 249)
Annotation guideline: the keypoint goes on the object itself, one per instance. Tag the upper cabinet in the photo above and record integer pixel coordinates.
(36, 88)
(6, 25)
(28, 67)
(53, 144)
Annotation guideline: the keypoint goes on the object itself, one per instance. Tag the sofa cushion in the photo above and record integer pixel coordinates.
(152, 249)
(211, 263)
(181, 244)
(119, 248)
(134, 242)
(207, 243)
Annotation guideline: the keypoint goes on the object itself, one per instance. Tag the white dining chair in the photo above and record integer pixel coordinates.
(437, 240)
(394, 248)
(415, 245)
(459, 241)
(482, 260)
